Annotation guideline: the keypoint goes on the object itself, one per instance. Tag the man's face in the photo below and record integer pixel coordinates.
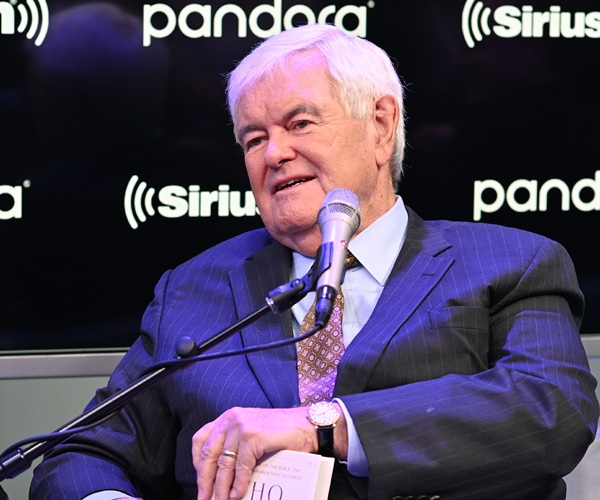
(298, 145)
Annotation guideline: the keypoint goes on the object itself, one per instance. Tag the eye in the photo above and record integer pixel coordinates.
(301, 124)
(252, 143)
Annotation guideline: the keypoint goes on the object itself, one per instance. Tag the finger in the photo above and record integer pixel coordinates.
(207, 445)
(206, 473)
(246, 461)
(226, 470)
(198, 440)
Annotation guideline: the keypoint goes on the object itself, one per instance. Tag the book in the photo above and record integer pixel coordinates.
(291, 475)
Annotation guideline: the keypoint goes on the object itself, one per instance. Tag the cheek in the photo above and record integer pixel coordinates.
(256, 174)
(352, 152)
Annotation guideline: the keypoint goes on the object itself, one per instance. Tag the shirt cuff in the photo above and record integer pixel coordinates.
(357, 463)
(107, 495)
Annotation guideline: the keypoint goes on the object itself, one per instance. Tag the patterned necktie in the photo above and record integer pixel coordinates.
(320, 354)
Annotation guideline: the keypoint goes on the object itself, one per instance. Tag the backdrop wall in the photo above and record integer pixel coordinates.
(118, 160)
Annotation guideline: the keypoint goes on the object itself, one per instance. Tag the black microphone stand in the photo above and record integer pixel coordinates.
(278, 300)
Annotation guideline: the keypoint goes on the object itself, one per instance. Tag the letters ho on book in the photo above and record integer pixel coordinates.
(291, 475)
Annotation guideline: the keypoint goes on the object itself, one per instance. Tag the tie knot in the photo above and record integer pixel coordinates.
(351, 261)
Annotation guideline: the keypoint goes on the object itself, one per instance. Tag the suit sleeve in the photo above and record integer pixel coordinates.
(504, 430)
(145, 449)
(123, 453)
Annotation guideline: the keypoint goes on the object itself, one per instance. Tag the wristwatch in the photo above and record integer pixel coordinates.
(324, 416)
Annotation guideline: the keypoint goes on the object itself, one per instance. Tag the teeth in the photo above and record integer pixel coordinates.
(293, 183)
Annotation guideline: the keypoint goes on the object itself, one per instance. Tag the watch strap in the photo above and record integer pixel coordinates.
(325, 440)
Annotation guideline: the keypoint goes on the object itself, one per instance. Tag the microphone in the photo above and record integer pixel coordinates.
(339, 218)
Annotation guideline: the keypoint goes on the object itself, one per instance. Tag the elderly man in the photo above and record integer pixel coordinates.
(462, 374)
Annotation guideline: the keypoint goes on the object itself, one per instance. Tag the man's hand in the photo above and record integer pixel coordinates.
(251, 433)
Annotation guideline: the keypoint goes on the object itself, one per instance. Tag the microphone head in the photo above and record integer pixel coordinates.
(340, 203)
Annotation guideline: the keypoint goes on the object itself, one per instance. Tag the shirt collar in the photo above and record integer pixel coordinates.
(377, 247)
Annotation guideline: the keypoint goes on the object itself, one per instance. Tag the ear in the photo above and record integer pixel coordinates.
(387, 114)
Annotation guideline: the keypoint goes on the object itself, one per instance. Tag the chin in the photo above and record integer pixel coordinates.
(305, 238)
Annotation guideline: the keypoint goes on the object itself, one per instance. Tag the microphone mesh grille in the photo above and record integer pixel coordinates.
(342, 201)
(342, 208)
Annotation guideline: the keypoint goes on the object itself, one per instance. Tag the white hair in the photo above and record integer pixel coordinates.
(360, 72)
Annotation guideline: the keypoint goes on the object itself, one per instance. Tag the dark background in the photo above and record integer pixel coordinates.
(90, 107)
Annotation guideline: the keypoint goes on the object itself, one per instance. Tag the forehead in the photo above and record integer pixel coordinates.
(303, 78)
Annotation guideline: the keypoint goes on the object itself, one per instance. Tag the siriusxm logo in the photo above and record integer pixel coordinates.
(535, 196)
(15, 196)
(32, 18)
(509, 21)
(178, 201)
(273, 15)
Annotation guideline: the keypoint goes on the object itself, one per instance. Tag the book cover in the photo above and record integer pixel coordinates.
(291, 475)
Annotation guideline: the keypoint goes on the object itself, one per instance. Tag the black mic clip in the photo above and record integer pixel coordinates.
(283, 297)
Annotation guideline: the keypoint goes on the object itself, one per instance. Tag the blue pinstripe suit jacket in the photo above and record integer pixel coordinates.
(469, 380)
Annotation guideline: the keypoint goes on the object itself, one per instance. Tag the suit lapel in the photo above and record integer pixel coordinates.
(275, 369)
(418, 269)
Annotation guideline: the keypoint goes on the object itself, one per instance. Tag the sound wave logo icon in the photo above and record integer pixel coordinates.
(178, 201)
(33, 18)
(136, 195)
(475, 20)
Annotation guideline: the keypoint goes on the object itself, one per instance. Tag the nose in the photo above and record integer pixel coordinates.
(279, 150)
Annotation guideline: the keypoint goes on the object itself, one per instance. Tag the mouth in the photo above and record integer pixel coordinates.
(292, 183)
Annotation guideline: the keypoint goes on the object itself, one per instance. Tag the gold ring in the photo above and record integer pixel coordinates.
(229, 453)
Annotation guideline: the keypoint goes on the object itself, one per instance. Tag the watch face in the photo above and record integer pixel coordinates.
(323, 414)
